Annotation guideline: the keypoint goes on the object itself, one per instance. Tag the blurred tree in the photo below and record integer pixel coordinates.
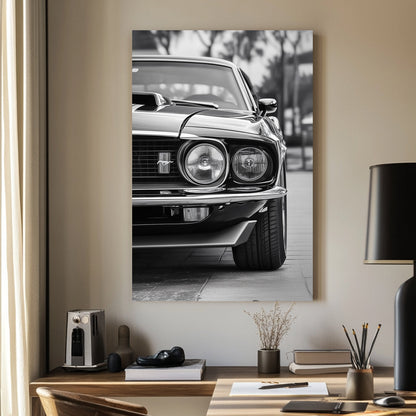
(280, 36)
(207, 38)
(272, 81)
(283, 80)
(244, 45)
(305, 94)
(143, 41)
(163, 38)
(294, 40)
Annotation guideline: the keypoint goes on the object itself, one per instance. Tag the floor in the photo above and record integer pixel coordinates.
(210, 274)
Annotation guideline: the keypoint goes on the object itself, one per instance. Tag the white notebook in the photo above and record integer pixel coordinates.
(252, 389)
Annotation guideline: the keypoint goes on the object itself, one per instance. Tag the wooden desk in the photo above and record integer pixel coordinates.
(108, 384)
(222, 404)
(217, 383)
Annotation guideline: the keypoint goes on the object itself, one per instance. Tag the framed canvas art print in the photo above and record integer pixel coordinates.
(222, 165)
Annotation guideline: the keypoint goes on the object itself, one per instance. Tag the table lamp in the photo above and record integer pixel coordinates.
(391, 239)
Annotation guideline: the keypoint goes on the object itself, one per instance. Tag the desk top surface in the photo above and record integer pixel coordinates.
(217, 382)
(222, 404)
(113, 384)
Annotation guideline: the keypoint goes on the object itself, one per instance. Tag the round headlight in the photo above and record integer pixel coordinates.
(250, 164)
(204, 164)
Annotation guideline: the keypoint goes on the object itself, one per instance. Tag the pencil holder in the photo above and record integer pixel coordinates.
(360, 384)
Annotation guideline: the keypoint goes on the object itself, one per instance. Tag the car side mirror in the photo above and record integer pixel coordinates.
(267, 106)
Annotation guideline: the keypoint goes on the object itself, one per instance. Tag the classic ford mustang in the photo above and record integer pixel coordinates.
(208, 161)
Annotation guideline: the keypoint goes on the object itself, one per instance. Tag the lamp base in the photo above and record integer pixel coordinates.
(411, 395)
(405, 337)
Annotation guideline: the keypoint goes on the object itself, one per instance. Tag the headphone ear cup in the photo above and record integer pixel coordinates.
(114, 363)
(178, 354)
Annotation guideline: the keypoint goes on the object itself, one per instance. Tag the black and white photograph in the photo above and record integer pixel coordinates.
(222, 165)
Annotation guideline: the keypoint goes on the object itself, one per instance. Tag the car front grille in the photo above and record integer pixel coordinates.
(147, 158)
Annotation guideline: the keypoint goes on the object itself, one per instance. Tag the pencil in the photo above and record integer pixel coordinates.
(348, 338)
(354, 357)
(367, 361)
(364, 344)
(358, 348)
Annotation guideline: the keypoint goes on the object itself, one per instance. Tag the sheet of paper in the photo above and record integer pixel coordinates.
(252, 388)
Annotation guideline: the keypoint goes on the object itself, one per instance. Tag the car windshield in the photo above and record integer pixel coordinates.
(186, 81)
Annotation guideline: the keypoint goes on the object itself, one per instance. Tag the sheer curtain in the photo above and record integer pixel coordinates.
(22, 191)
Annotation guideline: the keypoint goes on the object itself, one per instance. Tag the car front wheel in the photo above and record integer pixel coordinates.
(266, 247)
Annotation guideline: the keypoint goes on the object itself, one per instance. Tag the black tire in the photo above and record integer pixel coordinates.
(265, 249)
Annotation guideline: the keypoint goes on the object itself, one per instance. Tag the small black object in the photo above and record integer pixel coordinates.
(165, 358)
(114, 363)
(390, 401)
(301, 406)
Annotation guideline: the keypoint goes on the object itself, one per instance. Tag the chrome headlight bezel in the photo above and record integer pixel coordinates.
(186, 149)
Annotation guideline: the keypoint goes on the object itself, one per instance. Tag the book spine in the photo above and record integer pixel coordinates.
(322, 357)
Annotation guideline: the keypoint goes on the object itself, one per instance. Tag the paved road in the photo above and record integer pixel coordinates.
(210, 274)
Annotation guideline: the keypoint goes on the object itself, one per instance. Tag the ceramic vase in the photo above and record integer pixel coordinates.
(268, 361)
(124, 349)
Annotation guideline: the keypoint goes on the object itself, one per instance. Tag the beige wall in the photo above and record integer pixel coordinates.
(364, 92)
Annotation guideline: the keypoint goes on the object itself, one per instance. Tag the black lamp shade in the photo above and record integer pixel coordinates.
(391, 229)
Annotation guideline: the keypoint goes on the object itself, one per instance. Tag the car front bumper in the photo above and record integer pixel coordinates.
(223, 197)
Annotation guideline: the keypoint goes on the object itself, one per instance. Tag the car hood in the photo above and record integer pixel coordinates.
(175, 120)
(164, 119)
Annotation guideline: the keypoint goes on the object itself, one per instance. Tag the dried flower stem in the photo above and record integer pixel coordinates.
(272, 326)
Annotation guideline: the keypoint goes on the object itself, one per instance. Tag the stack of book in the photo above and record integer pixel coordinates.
(189, 370)
(320, 361)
